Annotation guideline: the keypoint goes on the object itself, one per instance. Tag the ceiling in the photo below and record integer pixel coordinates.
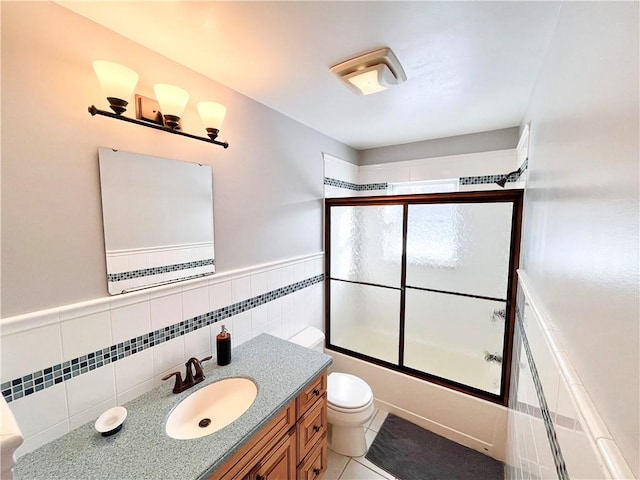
(471, 65)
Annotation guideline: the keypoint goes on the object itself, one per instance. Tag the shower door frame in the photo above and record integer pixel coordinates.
(514, 196)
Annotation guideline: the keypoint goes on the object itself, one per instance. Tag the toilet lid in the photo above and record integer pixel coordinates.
(347, 391)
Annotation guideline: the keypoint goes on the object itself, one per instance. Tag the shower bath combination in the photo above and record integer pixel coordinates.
(425, 285)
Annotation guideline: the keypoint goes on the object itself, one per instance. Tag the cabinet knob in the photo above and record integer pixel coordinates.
(259, 477)
(316, 392)
(316, 428)
(316, 472)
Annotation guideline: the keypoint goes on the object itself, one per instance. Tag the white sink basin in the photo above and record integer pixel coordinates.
(211, 408)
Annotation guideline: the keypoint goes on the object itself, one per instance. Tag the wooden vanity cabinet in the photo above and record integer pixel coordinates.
(293, 446)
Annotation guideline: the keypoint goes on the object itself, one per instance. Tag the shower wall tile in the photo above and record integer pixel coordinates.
(259, 283)
(91, 414)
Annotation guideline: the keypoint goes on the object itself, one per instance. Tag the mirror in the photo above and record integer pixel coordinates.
(158, 220)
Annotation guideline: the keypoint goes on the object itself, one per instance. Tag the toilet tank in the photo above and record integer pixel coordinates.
(311, 338)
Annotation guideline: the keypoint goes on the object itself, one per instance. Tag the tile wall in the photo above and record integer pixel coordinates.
(554, 430)
(475, 171)
(64, 366)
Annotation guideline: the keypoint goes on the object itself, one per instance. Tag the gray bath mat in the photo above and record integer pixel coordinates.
(411, 453)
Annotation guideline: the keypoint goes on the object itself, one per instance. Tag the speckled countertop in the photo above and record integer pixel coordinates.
(142, 449)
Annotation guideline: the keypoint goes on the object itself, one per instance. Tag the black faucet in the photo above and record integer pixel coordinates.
(191, 378)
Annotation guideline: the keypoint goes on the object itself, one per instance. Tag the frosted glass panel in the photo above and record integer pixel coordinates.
(365, 319)
(460, 247)
(454, 337)
(366, 244)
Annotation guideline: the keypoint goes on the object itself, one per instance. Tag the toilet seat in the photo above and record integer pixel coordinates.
(348, 393)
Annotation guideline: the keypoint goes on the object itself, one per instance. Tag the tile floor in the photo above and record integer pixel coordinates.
(340, 467)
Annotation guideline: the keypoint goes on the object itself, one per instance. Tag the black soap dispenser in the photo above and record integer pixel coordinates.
(223, 347)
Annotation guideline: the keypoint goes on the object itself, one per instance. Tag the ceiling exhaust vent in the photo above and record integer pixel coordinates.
(372, 72)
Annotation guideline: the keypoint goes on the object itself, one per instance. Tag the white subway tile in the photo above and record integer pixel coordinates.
(134, 370)
(259, 320)
(274, 279)
(36, 441)
(41, 410)
(85, 334)
(167, 355)
(241, 326)
(299, 272)
(87, 390)
(220, 295)
(130, 321)
(29, 351)
(134, 392)
(197, 343)
(240, 289)
(195, 302)
(259, 283)
(166, 311)
(288, 274)
(91, 414)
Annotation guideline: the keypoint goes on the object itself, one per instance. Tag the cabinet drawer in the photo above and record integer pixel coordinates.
(311, 394)
(316, 462)
(312, 427)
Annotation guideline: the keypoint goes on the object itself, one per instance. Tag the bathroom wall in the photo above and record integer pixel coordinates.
(581, 223)
(267, 185)
(62, 367)
(473, 171)
(69, 350)
(492, 140)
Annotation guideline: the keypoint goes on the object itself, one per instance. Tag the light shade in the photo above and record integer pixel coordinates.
(372, 79)
(117, 81)
(172, 100)
(212, 114)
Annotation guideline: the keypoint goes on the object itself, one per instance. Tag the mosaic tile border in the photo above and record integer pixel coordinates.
(48, 377)
(558, 459)
(474, 180)
(333, 182)
(485, 179)
(146, 272)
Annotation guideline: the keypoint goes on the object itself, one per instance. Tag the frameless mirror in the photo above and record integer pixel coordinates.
(158, 220)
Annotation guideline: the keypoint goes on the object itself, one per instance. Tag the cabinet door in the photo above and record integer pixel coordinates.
(279, 463)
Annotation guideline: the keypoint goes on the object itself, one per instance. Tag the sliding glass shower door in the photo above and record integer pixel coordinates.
(423, 284)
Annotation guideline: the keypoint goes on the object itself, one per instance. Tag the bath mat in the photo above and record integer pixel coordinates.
(411, 453)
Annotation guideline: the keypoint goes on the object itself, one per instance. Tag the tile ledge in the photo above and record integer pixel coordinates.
(40, 318)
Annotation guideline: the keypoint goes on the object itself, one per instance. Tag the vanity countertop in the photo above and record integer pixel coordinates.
(142, 449)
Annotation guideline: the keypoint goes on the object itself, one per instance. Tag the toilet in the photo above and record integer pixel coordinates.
(349, 399)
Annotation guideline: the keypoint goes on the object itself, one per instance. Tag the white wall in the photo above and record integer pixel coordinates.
(267, 185)
(580, 238)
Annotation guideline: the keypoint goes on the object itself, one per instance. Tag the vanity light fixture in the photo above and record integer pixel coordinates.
(371, 73)
(119, 82)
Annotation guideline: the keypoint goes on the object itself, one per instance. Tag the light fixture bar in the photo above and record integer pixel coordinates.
(93, 110)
